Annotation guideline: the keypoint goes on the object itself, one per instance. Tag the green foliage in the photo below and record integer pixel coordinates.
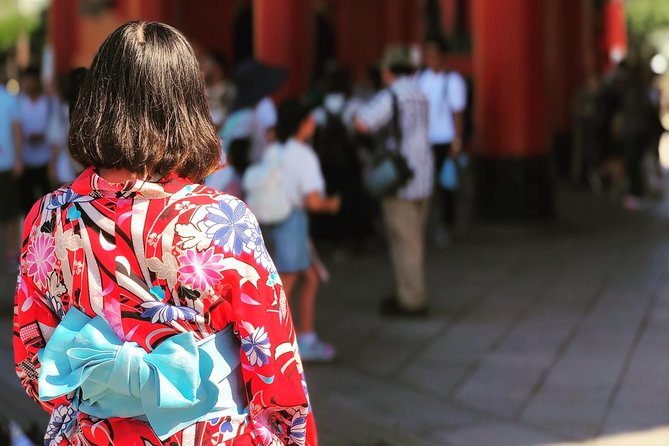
(646, 16)
(12, 23)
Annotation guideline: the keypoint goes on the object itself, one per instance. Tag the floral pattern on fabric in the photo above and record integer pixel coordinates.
(155, 259)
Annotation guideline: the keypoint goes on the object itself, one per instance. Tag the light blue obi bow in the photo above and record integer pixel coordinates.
(179, 383)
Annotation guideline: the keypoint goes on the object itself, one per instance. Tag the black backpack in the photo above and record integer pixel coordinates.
(335, 149)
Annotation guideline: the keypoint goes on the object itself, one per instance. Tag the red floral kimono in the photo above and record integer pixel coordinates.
(155, 259)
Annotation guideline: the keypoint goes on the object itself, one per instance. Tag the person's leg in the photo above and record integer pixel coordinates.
(44, 185)
(26, 185)
(312, 348)
(306, 302)
(9, 221)
(288, 281)
(438, 228)
(404, 221)
(448, 204)
(633, 157)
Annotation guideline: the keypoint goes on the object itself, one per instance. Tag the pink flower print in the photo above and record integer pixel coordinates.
(200, 270)
(123, 203)
(41, 259)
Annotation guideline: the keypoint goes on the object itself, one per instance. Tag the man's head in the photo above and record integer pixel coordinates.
(396, 63)
(294, 120)
(30, 81)
(433, 54)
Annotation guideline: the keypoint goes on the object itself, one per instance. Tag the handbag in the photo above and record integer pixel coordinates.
(391, 170)
(449, 175)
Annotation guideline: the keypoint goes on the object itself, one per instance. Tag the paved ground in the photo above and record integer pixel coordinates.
(552, 335)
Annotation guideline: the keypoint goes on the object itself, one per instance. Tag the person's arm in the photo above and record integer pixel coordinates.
(271, 366)
(377, 113)
(457, 97)
(18, 147)
(34, 321)
(459, 124)
(315, 202)
(312, 187)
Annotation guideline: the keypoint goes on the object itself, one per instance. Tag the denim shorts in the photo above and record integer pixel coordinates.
(288, 243)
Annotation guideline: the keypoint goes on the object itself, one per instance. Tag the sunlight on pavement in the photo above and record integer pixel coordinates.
(653, 437)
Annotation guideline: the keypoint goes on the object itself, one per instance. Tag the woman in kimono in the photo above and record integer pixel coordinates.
(147, 310)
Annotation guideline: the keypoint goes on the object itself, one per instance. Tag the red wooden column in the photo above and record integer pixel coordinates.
(62, 33)
(615, 31)
(359, 33)
(209, 23)
(510, 109)
(283, 35)
(569, 56)
(397, 23)
(448, 16)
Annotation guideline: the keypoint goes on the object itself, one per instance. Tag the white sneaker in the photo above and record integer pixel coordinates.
(312, 349)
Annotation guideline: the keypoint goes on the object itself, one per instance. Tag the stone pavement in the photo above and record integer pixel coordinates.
(552, 335)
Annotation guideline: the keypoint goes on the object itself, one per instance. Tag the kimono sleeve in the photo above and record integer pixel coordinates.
(34, 320)
(271, 365)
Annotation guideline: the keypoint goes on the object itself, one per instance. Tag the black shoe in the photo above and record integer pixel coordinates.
(391, 307)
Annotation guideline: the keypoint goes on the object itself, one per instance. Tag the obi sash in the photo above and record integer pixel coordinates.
(180, 382)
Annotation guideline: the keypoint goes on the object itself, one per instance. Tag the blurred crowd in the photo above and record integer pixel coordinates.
(354, 157)
(616, 134)
(346, 161)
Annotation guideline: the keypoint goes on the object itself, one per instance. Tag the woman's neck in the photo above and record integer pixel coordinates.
(117, 175)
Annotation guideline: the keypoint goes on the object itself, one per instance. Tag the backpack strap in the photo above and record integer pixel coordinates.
(395, 128)
(444, 94)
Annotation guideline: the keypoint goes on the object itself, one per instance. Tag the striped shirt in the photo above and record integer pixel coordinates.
(413, 119)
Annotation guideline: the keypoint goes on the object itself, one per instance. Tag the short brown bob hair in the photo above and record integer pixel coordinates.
(142, 107)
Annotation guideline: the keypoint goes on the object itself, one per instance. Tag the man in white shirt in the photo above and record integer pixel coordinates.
(447, 94)
(35, 109)
(11, 167)
(404, 213)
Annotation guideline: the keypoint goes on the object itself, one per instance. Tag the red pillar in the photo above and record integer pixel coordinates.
(510, 109)
(359, 33)
(569, 56)
(510, 85)
(208, 23)
(396, 23)
(615, 31)
(448, 16)
(62, 33)
(283, 35)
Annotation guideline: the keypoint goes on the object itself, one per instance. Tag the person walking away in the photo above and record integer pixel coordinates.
(586, 152)
(289, 242)
(638, 119)
(446, 91)
(11, 166)
(148, 310)
(405, 213)
(35, 109)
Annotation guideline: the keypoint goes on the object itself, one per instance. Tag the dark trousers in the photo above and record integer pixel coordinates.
(634, 151)
(33, 185)
(446, 198)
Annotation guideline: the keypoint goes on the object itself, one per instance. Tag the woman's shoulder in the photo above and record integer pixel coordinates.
(300, 150)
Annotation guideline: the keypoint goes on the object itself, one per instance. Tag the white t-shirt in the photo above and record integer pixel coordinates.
(56, 135)
(301, 171)
(446, 94)
(34, 117)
